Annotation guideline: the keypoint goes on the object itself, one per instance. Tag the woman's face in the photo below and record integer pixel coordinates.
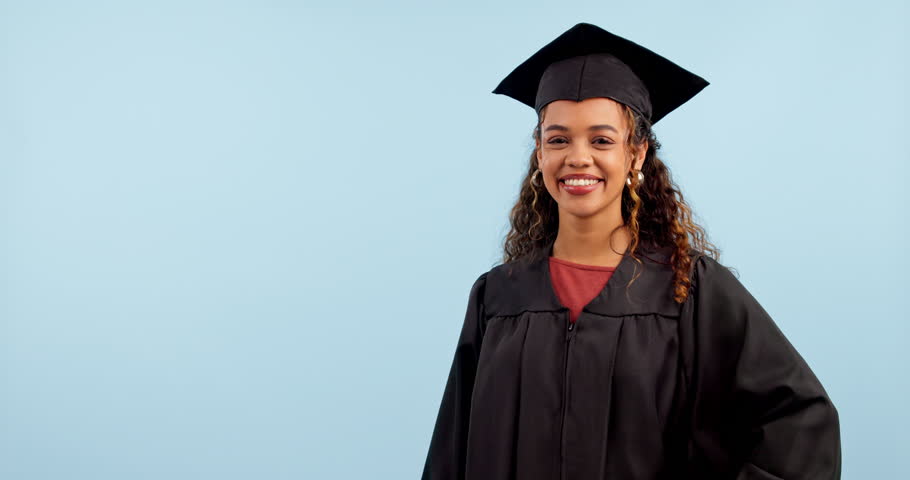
(585, 138)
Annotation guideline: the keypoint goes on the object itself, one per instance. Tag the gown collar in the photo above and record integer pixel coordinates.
(518, 286)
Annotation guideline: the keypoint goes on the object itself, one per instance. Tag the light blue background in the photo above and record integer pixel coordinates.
(237, 238)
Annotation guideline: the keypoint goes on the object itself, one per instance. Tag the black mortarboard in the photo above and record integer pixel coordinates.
(587, 61)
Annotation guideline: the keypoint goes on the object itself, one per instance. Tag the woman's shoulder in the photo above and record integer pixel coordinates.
(717, 287)
(707, 267)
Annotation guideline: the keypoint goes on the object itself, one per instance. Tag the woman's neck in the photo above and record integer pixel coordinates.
(591, 247)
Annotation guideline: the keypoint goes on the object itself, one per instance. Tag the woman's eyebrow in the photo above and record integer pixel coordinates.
(591, 128)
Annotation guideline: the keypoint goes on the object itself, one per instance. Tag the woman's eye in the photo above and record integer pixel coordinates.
(599, 141)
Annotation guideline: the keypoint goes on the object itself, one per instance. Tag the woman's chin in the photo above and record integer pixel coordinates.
(579, 211)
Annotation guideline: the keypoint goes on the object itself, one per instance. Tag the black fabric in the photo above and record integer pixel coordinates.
(641, 387)
(587, 61)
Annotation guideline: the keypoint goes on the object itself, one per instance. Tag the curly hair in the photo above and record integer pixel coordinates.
(654, 211)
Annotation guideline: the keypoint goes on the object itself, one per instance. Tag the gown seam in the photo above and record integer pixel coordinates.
(516, 433)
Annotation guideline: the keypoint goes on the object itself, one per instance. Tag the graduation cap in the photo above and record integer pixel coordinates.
(587, 61)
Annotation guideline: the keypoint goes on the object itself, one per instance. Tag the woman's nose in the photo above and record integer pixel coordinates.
(579, 156)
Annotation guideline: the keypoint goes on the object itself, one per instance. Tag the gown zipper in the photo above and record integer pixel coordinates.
(565, 395)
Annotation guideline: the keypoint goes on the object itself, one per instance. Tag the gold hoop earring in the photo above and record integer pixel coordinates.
(641, 178)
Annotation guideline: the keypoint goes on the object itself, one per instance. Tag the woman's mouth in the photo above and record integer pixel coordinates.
(580, 188)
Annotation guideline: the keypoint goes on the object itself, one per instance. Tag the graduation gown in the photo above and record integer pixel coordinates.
(639, 387)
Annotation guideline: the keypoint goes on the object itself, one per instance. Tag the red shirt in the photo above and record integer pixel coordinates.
(577, 284)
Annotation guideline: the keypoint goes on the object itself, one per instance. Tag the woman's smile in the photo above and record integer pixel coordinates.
(580, 187)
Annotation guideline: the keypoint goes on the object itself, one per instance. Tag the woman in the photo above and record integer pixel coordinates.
(611, 343)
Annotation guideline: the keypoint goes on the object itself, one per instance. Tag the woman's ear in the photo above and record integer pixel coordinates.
(640, 159)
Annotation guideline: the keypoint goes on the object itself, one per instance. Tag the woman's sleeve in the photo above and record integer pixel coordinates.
(448, 444)
(758, 410)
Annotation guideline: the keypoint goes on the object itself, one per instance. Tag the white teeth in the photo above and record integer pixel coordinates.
(579, 182)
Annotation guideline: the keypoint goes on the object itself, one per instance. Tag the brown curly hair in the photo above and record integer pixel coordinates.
(654, 211)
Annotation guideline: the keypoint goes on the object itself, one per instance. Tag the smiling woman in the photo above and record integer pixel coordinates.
(601, 138)
(574, 146)
(611, 343)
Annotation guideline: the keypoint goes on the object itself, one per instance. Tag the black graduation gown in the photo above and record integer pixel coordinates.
(640, 387)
